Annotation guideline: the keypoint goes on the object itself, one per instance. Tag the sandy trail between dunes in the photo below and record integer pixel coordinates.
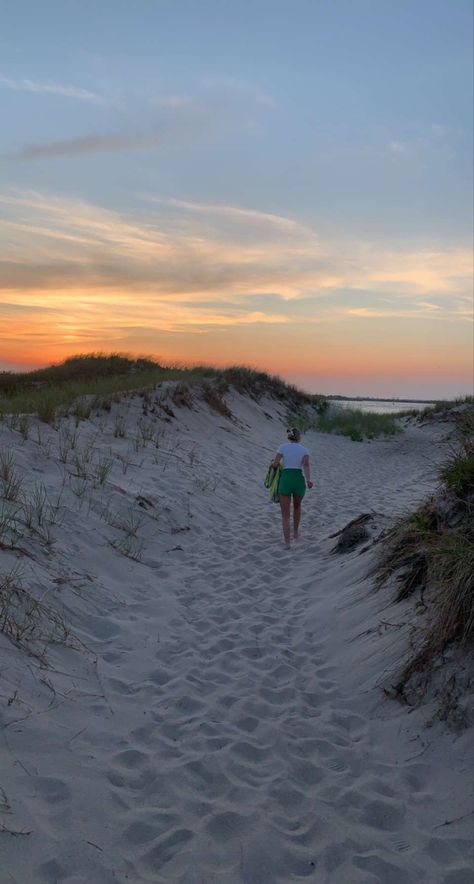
(237, 736)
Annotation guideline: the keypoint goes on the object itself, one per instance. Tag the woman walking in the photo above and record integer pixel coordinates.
(294, 458)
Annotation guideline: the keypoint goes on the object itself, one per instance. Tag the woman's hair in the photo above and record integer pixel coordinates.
(293, 434)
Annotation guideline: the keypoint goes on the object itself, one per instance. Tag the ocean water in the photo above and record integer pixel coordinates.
(379, 407)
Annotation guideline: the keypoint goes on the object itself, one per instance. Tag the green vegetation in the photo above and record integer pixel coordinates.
(439, 408)
(440, 566)
(44, 391)
(327, 418)
(424, 521)
(258, 383)
(431, 552)
(356, 424)
(445, 405)
(94, 380)
(304, 415)
(458, 473)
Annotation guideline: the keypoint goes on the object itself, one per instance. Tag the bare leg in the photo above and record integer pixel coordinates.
(285, 501)
(296, 514)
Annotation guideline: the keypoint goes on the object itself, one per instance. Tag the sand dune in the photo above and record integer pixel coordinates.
(216, 715)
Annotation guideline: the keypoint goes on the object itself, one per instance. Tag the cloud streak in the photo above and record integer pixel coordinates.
(50, 88)
(180, 118)
(87, 144)
(239, 214)
(178, 122)
(199, 281)
(118, 142)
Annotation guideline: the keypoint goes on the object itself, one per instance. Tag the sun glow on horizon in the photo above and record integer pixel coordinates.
(85, 279)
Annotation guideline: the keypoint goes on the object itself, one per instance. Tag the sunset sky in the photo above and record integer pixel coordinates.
(285, 184)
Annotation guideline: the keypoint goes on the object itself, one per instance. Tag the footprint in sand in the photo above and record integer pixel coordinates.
(51, 790)
(383, 815)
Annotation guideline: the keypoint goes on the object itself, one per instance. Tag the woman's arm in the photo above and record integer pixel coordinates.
(277, 459)
(307, 470)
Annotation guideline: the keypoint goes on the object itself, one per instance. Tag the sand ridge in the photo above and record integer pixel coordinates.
(222, 722)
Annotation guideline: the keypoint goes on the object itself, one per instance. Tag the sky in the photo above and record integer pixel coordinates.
(284, 184)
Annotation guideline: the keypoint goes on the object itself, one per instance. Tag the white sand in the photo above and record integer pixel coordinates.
(225, 722)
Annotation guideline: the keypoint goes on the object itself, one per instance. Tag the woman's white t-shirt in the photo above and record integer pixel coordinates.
(293, 454)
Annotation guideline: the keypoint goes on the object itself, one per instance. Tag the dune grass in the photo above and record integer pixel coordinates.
(443, 405)
(356, 424)
(259, 383)
(439, 408)
(431, 552)
(46, 390)
(439, 565)
(327, 418)
(89, 380)
(29, 622)
(458, 472)
(95, 380)
(458, 475)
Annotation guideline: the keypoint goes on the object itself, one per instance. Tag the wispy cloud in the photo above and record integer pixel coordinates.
(238, 214)
(85, 144)
(427, 138)
(175, 118)
(177, 123)
(100, 262)
(7, 309)
(184, 285)
(48, 87)
(415, 311)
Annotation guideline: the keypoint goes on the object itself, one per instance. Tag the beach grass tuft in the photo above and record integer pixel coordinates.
(26, 621)
(356, 424)
(213, 394)
(10, 479)
(458, 473)
(431, 552)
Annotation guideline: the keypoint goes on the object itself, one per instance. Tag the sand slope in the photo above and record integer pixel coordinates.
(223, 720)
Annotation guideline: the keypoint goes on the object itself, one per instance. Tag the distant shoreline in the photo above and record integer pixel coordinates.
(380, 399)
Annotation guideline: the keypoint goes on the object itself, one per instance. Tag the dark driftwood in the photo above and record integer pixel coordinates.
(354, 533)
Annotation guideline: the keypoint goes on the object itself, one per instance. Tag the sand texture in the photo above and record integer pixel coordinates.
(216, 714)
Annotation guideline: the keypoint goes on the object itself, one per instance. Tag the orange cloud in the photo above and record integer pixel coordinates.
(204, 282)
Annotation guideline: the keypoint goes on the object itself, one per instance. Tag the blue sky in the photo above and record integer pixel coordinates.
(288, 164)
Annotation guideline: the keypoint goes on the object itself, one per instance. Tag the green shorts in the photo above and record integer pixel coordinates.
(292, 482)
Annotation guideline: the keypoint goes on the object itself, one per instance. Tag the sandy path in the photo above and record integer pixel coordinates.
(231, 744)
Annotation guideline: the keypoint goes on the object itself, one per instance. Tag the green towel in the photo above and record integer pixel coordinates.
(271, 482)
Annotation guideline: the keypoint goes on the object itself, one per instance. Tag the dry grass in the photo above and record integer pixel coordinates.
(182, 396)
(213, 394)
(432, 553)
(452, 575)
(27, 622)
(405, 552)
